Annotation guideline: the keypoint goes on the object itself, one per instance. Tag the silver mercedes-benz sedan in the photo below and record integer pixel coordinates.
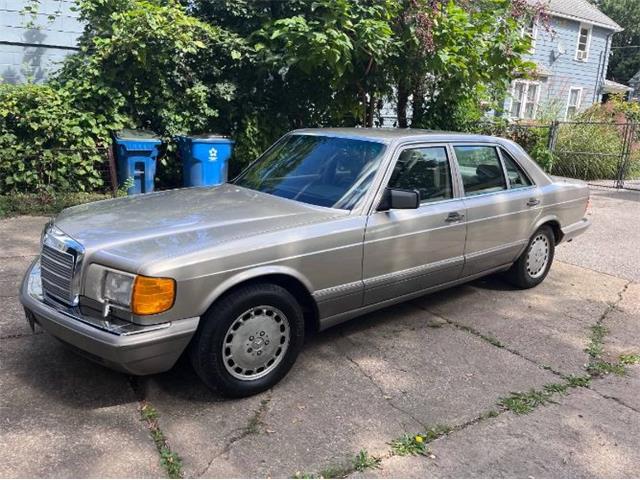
(327, 225)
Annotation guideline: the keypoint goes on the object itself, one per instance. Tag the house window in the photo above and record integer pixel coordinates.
(584, 41)
(575, 98)
(531, 30)
(524, 99)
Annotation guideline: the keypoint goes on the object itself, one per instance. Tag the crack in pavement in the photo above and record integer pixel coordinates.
(614, 306)
(170, 461)
(250, 429)
(594, 270)
(502, 346)
(615, 399)
(385, 396)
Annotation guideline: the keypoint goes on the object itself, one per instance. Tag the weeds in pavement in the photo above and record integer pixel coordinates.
(410, 444)
(489, 414)
(253, 425)
(599, 368)
(575, 381)
(169, 460)
(630, 359)
(525, 402)
(596, 345)
(361, 462)
(364, 461)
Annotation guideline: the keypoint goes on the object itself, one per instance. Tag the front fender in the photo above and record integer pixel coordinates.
(251, 274)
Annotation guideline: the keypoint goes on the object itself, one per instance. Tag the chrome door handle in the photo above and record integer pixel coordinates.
(533, 202)
(454, 217)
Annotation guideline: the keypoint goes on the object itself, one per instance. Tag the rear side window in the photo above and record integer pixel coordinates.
(425, 170)
(517, 177)
(480, 169)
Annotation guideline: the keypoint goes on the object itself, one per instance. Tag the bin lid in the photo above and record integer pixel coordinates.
(209, 138)
(129, 134)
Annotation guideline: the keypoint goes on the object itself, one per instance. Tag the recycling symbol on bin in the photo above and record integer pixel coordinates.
(213, 154)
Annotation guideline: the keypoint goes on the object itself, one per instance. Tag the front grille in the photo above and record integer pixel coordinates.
(57, 270)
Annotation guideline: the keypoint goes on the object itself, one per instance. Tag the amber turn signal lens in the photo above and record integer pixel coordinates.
(152, 295)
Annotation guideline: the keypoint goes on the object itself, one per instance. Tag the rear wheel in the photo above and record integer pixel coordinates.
(533, 265)
(249, 340)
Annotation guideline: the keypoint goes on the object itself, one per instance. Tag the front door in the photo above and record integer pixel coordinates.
(406, 251)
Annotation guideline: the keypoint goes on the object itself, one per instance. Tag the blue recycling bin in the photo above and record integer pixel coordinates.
(136, 153)
(205, 159)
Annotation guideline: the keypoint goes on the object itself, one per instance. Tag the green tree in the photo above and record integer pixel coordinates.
(153, 62)
(625, 54)
(457, 60)
(255, 69)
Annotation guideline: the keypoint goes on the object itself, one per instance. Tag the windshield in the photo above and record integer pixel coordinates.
(326, 171)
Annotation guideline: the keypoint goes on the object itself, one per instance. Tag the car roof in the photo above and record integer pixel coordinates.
(388, 135)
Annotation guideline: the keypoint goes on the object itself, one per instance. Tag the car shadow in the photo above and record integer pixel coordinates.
(183, 383)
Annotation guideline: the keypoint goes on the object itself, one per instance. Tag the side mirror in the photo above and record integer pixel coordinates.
(396, 198)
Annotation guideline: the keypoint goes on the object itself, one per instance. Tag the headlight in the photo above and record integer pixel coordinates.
(139, 294)
(117, 288)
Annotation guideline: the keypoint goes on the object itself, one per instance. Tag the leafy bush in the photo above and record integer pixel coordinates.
(46, 143)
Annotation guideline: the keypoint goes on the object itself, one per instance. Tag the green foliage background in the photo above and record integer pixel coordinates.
(625, 54)
(254, 70)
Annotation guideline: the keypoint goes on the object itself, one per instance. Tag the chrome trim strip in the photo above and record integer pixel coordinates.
(327, 322)
(403, 275)
(489, 251)
(331, 293)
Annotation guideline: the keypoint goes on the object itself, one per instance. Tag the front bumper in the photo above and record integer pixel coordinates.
(572, 231)
(138, 350)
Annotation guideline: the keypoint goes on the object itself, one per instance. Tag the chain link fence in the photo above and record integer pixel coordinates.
(602, 153)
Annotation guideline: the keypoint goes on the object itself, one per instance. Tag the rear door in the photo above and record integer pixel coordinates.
(406, 251)
(502, 204)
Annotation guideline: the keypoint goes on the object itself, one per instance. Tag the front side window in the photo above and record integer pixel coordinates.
(325, 171)
(517, 177)
(480, 169)
(524, 100)
(575, 98)
(425, 170)
(584, 39)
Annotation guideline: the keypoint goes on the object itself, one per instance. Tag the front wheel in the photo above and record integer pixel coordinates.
(533, 265)
(249, 340)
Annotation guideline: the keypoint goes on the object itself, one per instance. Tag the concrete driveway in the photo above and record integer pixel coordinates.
(445, 368)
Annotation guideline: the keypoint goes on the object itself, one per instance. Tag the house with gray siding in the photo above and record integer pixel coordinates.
(32, 47)
(571, 51)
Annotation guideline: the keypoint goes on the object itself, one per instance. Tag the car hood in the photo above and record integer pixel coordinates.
(134, 230)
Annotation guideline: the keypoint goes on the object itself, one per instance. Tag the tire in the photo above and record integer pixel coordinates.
(534, 264)
(242, 333)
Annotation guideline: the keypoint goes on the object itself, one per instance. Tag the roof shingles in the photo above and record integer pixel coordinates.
(580, 10)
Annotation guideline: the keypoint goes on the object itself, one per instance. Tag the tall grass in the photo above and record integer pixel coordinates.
(588, 151)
